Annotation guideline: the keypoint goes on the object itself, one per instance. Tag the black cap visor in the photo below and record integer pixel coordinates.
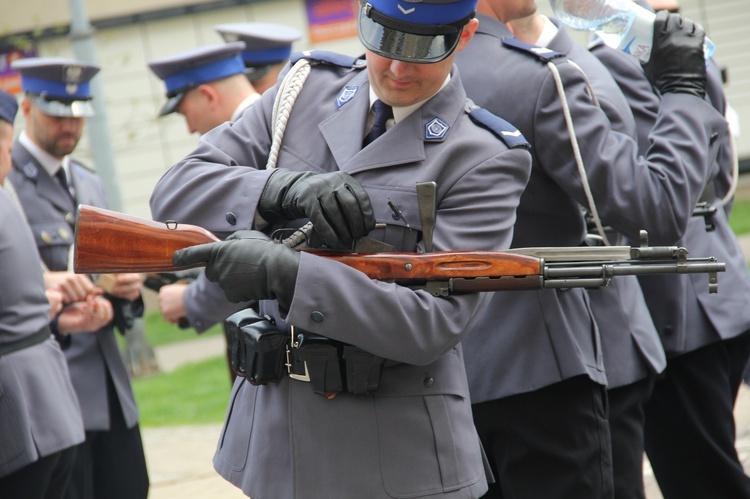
(407, 42)
(172, 103)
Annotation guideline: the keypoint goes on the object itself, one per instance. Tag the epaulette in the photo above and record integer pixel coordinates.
(332, 58)
(83, 165)
(542, 53)
(509, 134)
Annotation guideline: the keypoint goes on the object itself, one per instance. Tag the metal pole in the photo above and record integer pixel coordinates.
(82, 35)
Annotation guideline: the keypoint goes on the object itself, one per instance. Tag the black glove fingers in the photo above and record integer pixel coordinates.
(331, 221)
(365, 211)
(200, 253)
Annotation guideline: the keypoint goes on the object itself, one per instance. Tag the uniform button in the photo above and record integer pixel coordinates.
(231, 218)
(668, 330)
(317, 316)
(429, 381)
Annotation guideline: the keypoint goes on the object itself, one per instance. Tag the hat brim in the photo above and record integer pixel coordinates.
(172, 104)
(64, 109)
(403, 46)
(255, 73)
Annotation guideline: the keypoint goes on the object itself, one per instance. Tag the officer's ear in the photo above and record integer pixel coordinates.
(467, 33)
(209, 93)
(26, 105)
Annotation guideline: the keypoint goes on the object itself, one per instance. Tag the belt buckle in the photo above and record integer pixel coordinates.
(294, 344)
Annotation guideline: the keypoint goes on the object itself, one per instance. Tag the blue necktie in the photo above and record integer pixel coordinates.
(62, 178)
(383, 112)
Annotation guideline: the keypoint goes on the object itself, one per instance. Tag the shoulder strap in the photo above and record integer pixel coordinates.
(502, 129)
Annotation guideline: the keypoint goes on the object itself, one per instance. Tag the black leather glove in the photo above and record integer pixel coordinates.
(677, 62)
(336, 204)
(248, 266)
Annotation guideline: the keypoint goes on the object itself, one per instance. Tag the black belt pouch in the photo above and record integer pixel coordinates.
(258, 347)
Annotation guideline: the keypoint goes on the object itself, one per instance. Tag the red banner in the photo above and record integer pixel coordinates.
(331, 19)
(10, 80)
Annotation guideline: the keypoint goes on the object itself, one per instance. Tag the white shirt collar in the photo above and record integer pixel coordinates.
(549, 32)
(50, 163)
(400, 113)
(246, 102)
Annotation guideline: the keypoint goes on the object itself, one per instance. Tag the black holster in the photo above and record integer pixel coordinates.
(258, 348)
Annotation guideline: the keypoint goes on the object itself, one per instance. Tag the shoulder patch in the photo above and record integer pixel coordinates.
(542, 53)
(331, 58)
(509, 134)
(75, 162)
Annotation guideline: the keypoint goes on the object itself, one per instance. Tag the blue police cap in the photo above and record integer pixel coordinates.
(421, 31)
(60, 87)
(265, 44)
(187, 70)
(8, 107)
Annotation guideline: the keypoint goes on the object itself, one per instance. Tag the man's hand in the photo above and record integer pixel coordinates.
(248, 266)
(172, 301)
(336, 204)
(55, 299)
(85, 316)
(74, 287)
(677, 61)
(126, 286)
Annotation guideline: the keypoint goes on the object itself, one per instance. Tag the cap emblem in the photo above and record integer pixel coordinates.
(72, 77)
(406, 11)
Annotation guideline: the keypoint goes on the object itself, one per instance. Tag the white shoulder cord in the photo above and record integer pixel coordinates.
(574, 143)
(14, 197)
(289, 89)
(735, 171)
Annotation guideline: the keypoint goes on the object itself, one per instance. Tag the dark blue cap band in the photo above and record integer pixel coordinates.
(266, 56)
(56, 88)
(445, 12)
(192, 77)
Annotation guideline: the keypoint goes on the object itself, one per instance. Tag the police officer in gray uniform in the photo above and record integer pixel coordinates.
(631, 360)
(40, 421)
(402, 428)
(534, 360)
(110, 463)
(690, 429)
(207, 86)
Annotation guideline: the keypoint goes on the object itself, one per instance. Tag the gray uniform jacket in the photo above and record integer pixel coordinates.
(206, 304)
(620, 306)
(550, 335)
(682, 325)
(414, 437)
(39, 413)
(90, 356)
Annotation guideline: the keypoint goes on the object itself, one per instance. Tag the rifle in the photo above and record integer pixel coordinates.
(108, 241)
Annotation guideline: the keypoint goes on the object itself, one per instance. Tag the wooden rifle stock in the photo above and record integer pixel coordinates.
(111, 242)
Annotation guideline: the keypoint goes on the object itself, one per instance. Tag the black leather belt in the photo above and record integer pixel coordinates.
(26, 341)
(261, 353)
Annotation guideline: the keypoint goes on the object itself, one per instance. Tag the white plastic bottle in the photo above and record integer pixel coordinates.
(621, 24)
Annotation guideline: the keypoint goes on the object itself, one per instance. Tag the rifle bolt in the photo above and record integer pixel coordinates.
(408, 267)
